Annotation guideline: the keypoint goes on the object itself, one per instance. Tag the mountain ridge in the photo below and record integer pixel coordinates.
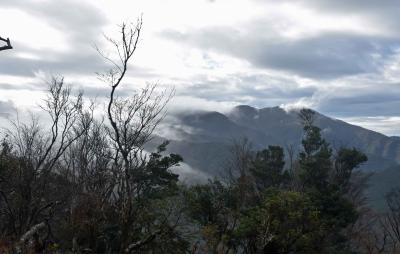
(210, 134)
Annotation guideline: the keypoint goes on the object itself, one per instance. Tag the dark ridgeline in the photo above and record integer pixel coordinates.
(209, 132)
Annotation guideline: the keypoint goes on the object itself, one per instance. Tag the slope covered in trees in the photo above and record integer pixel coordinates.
(274, 126)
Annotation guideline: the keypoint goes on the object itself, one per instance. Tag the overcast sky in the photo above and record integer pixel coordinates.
(339, 57)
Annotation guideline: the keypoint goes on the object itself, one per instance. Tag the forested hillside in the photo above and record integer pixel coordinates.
(273, 126)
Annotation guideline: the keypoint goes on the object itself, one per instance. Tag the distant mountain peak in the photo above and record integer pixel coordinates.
(245, 109)
(273, 109)
(243, 112)
(276, 126)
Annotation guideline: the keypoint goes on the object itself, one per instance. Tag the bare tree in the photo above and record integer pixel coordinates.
(290, 150)
(8, 44)
(375, 233)
(392, 218)
(131, 124)
(133, 120)
(31, 188)
(238, 162)
(368, 234)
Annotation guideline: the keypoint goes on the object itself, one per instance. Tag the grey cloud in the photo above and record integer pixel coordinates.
(371, 99)
(90, 90)
(77, 19)
(6, 86)
(325, 56)
(348, 5)
(81, 24)
(103, 91)
(7, 108)
(256, 89)
(381, 7)
(190, 175)
(384, 13)
(367, 105)
(383, 124)
(53, 63)
(354, 97)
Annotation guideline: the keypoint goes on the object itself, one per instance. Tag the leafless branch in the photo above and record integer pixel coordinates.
(137, 245)
(8, 44)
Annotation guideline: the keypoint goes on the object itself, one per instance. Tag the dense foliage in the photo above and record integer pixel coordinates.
(82, 195)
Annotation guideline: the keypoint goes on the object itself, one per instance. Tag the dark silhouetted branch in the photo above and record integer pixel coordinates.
(137, 245)
(8, 44)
